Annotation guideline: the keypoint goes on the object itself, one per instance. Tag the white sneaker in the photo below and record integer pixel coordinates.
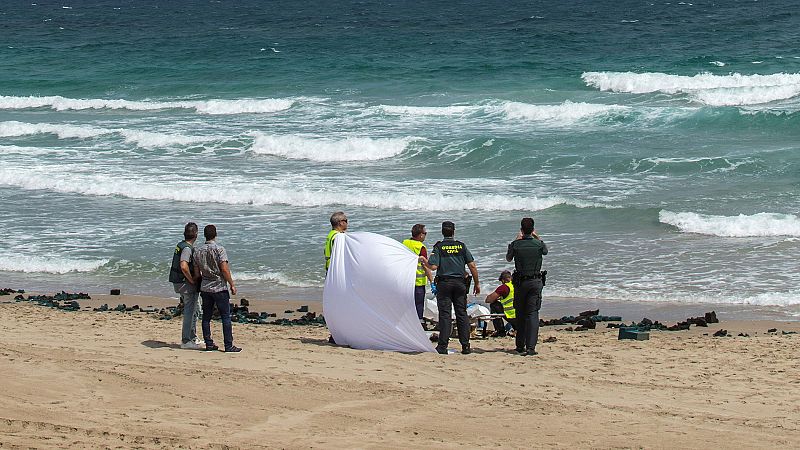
(191, 345)
(199, 341)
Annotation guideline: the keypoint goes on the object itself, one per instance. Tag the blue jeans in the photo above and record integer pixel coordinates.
(419, 300)
(222, 301)
(190, 313)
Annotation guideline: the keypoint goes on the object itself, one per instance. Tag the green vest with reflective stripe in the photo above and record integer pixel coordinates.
(508, 302)
(416, 247)
(329, 248)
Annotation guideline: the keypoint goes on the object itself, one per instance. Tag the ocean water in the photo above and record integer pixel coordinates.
(656, 144)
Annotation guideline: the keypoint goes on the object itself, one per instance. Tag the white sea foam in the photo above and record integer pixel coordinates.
(235, 106)
(566, 112)
(746, 95)
(761, 224)
(784, 298)
(454, 110)
(35, 264)
(273, 277)
(714, 90)
(348, 149)
(146, 139)
(63, 131)
(718, 63)
(278, 192)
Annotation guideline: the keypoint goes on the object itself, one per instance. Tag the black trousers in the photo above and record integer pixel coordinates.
(499, 326)
(527, 303)
(452, 294)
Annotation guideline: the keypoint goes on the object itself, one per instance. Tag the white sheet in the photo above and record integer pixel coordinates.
(368, 300)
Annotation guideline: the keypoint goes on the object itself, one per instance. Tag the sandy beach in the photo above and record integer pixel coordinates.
(91, 379)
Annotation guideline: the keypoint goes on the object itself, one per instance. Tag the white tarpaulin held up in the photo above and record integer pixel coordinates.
(368, 300)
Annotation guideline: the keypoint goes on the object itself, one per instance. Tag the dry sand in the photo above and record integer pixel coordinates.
(86, 379)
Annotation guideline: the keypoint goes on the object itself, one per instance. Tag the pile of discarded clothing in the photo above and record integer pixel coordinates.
(647, 324)
(64, 301)
(586, 320)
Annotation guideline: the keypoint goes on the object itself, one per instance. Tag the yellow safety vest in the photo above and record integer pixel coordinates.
(508, 302)
(416, 247)
(329, 248)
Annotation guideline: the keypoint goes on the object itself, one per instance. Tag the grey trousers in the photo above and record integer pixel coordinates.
(527, 303)
(191, 311)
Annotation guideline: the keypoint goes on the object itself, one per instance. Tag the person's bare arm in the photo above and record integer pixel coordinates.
(491, 298)
(196, 272)
(186, 273)
(224, 267)
(473, 269)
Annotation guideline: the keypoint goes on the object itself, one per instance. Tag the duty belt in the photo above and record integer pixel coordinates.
(530, 277)
(451, 278)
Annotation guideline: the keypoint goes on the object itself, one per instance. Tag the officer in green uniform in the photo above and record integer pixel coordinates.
(338, 225)
(448, 259)
(526, 252)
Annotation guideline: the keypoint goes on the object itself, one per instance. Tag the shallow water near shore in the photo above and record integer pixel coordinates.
(656, 145)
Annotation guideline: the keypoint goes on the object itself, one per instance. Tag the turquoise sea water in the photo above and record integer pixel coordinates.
(655, 143)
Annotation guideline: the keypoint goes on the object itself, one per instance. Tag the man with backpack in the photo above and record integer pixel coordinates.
(182, 279)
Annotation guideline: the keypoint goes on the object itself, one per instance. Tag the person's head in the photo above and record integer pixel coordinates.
(190, 231)
(526, 225)
(505, 276)
(339, 221)
(448, 228)
(210, 232)
(419, 232)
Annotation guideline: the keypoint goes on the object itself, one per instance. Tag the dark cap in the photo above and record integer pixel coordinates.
(503, 274)
(447, 225)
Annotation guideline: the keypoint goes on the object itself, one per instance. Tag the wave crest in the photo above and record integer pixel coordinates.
(405, 196)
(566, 112)
(63, 131)
(36, 264)
(713, 90)
(761, 224)
(236, 106)
(349, 149)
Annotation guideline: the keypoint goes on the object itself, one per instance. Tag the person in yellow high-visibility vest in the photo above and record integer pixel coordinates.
(501, 301)
(415, 244)
(338, 225)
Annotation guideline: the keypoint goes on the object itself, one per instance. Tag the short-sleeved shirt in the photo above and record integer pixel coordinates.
(451, 256)
(185, 287)
(502, 291)
(527, 255)
(208, 258)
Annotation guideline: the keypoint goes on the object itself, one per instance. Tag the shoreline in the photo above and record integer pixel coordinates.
(552, 306)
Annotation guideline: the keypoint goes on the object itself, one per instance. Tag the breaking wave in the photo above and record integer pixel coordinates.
(566, 112)
(14, 128)
(145, 139)
(349, 149)
(455, 110)
(274, 277)
(35, 264)
(761, 224)
(278, 192)
(713, 90)
(237, 106)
